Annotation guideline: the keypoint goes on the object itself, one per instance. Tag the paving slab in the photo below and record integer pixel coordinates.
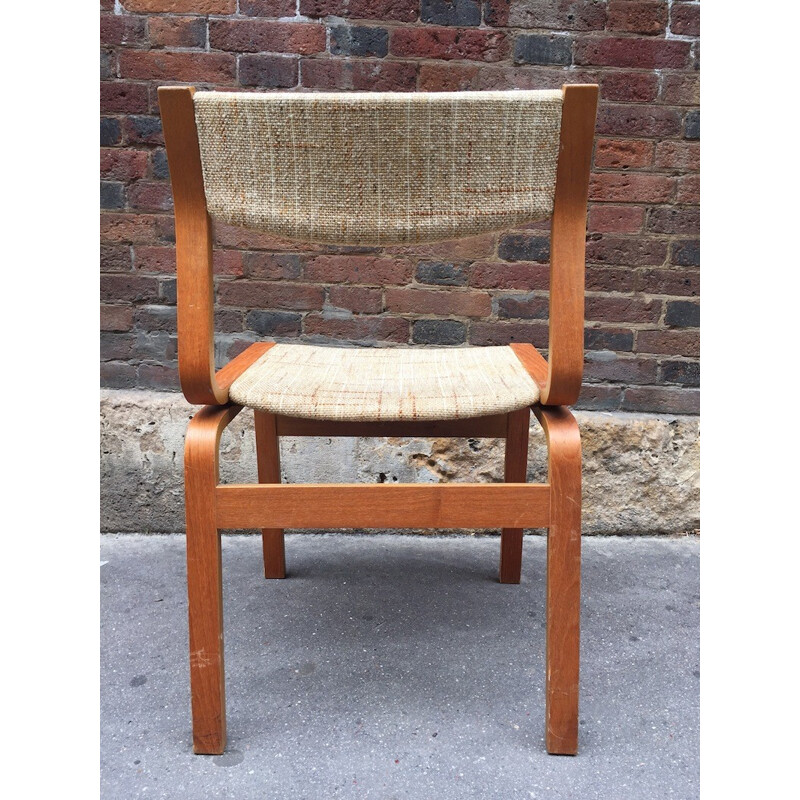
(393, 666)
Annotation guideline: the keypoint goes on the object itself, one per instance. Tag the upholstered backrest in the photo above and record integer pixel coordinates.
(378, 168)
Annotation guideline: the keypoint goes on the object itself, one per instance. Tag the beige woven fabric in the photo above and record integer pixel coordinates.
(382, 384)
(379, 168)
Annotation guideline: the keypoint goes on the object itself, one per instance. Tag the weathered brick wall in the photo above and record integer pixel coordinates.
(642, 307)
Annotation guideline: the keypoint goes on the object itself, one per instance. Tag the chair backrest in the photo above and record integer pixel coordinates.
(376, 168)
(379, 168)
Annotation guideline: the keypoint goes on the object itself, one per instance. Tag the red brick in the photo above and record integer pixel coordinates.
(496, 12)
(365, 75)
(358, 269)
(638, 16)
(154, 259)
(158, 376)
(381, 329)
(400, 10)
(622, 370)
(140, 129)
(683, 156)
(631, 52)
(181, 6)
(120, 97)
(613, 279)
(681, 89)
(116, 318)
(447, 77)
(122, 165)
(270, 294)
(684, 19)
(448, 43)
(117, 375)
(630, 252)
(619, 154)
(150, 196)
(271, 266)
(128, 288)
(356, 298)
(631, 188)
(615, 219)
(681, 282)
(629, 87)
(159, 65)
(580, 15)
(267, 8)
(121, 30)
(157, 318)
(621, 308)
(133, 228)
(259, 36)
(232, 236)
(115, 258)
(489, 333)
(666, 400)
(500, 275)
(649, 120)
(688, 190)
(678, 343)
(669, 219)
(228, 262)
(470, 247)
(595, 397)
(447, 303)
(177, 31)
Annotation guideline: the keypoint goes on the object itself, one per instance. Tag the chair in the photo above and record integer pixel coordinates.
(381, 169)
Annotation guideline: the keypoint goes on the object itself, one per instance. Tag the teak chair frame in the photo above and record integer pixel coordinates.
(272, 506)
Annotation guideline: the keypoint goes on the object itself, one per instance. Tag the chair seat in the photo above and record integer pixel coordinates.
(382, 384)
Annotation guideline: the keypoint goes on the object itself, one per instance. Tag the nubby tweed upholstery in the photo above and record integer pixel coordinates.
(371, 168)
(381, 384)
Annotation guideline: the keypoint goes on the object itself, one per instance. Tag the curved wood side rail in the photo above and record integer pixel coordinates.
(563, 579)
(193, 249)
(204, 577)
(568, 246)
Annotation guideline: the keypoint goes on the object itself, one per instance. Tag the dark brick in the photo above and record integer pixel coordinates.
(608, 367)
(599, 398)
(272, 266)
(451, 12)
(143, 130)
(682, 282)
(439, 331)
(108, 65)
(115, 258)
(537, 48)
(682, 314)
(160, 168)
(441, 273)
(128, 288)
(691, 125)
(683, 372)
(658, 400)
(496, 333)
(117, 375)
(112, 194)
(668, 219)
(116, 346)
(495, 12)
(116, 318)
(110, 133)
(524, 247)
(268, 72)
(530, 306)
(608, 339)
(168, 291)
(274, 323)
(159, 376)
(686, 253)
(157, 318)
(359, 40)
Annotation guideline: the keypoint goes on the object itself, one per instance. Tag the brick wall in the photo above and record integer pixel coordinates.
(642, 306)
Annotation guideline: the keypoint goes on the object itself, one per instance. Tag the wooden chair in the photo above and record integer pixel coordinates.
(218, 167)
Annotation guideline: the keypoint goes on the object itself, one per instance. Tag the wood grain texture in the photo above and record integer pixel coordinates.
(516, 469)
(563, 580)
(269, 471)
(231, 371)
(491, 427)
(355, 505)
(568, 246)
(533, 361)
(204, 578)
(193, 249)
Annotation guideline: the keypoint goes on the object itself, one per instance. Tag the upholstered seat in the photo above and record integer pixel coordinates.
(382, 384)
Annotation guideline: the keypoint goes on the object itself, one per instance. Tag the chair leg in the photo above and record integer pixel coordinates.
(269, 471)
(204, 579)
(563, 580)
(516, 468)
